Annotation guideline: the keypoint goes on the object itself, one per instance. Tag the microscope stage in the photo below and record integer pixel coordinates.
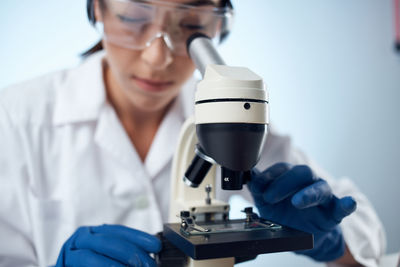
(229, 239)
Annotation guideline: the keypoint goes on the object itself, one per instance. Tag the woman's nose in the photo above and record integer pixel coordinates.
(157, 55)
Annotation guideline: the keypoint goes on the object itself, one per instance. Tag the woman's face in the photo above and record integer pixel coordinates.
(150, 77)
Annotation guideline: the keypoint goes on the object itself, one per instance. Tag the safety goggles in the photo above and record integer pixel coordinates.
(136, 24)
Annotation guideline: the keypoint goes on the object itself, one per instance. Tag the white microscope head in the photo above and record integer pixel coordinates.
(231, 117)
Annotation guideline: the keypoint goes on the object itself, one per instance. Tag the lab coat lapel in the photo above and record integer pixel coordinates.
(166, 139)
(82, 98)
(111, 136)
(164, 142)
(88, 90)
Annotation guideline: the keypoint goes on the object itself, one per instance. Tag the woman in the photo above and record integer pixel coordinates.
(93, 146)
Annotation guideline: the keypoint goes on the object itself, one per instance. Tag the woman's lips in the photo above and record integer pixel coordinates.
(152, 85)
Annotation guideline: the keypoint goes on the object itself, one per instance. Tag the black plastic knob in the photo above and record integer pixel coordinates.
(185, 214)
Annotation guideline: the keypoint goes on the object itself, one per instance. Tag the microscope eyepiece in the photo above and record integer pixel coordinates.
(202, 51)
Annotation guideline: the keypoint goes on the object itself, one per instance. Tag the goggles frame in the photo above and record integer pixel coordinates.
(226, 9)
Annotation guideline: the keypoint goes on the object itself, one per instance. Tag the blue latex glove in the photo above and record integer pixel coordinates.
(108, 245)
(295, 197)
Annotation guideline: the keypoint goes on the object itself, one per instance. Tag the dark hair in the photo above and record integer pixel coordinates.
(99, 45)
(90, 13)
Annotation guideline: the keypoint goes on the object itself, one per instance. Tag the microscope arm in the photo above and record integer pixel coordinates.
(183, 197)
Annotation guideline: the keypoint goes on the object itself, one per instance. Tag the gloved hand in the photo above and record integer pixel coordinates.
(108, 245)
(293, 196)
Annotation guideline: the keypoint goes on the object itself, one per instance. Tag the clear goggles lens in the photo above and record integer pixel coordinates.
(136, 24)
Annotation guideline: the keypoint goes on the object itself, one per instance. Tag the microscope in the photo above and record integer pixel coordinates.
(228, 129)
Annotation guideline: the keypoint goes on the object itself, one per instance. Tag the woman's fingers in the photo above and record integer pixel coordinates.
(315, 194)
(260, 180)
(144, 240)
(110, 245)
(89, 258)
(289, 183)
(343, 207)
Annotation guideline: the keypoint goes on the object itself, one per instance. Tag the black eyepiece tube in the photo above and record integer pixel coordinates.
(196, 172)
(198, 169)
(202, 51)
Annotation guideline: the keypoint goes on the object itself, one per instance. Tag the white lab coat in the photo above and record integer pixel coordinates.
(66, 161)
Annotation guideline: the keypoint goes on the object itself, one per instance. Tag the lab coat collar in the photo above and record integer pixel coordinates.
(166, 139)
(111, 136)
(80, 93)
(81, 97)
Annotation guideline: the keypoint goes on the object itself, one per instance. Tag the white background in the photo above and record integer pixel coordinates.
(330, 66)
